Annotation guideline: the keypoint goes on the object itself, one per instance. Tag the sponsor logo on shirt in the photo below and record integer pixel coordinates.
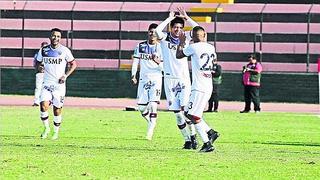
(207, 75)
(146, 56)
(52, 60)
(172, 46)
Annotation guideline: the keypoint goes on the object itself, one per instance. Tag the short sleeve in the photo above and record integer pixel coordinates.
(159, 51)
(38, 56)
(188, 51)
(136, 53)
(69, 56)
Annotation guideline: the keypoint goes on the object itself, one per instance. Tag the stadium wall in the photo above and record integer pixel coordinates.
(276, 87)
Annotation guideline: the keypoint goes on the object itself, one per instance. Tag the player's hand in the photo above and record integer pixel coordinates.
(183, 13)
(40, 68)
(182, 38)
(134, 80)
(156, 58)
(171, 14)
(62, 79)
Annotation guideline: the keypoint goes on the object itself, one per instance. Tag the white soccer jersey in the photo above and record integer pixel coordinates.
(55, 62)
(173, 67)
(202, 56)
(148, 67)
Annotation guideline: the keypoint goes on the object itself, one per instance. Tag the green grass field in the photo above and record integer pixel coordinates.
(110, 144)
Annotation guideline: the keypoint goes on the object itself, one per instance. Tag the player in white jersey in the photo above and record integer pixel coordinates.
(176, 73)
(148, 54)
(55, 58)
(202, 56)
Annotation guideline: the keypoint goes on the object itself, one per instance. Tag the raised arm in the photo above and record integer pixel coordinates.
(184, 15)
(163, 25)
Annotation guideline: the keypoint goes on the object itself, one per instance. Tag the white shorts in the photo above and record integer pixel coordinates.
(177, 93)
(197, 103)
(54, 93)
(149, 90)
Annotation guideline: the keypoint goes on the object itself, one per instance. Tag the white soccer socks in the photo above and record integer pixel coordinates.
(56, 122)
(144, 112)
(181, 123)
(201, 128)
(151, 126)
(152, 119)
(205, 125)
(45, 120)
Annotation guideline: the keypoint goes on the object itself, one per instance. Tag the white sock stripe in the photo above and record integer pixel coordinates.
(203, 134)
(205, 125)
(180, 118)
(143, 109)
(44, 114)
(153, 107)
(57, 119)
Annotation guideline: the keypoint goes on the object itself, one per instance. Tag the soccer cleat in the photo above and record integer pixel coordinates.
(244, 111)
(45, 133)
(35, 104)
(55, 136)
(187, 145)
(212, 135)
(207, 147)
(194, 142)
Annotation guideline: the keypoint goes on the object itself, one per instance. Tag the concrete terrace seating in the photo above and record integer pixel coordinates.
(98, 30)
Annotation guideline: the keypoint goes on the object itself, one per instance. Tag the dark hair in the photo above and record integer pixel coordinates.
(56, 29)
(198, 28)
(152, 26)
(177, 20)
(44, 43)
(252, 56)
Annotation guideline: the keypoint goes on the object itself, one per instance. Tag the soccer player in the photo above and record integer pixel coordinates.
(55, 58)
(202, 57)
(39, 78)
(176, 73)
(148, 54)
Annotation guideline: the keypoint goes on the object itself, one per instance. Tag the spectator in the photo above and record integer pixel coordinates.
(216, 81)
(251, 81)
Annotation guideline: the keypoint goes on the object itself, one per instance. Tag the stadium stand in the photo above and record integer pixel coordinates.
(104, 34)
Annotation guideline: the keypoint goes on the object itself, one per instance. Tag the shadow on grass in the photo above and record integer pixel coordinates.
(44, 143)
(102, 147)
(290, 143)
(139, 138)
(275, 143)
